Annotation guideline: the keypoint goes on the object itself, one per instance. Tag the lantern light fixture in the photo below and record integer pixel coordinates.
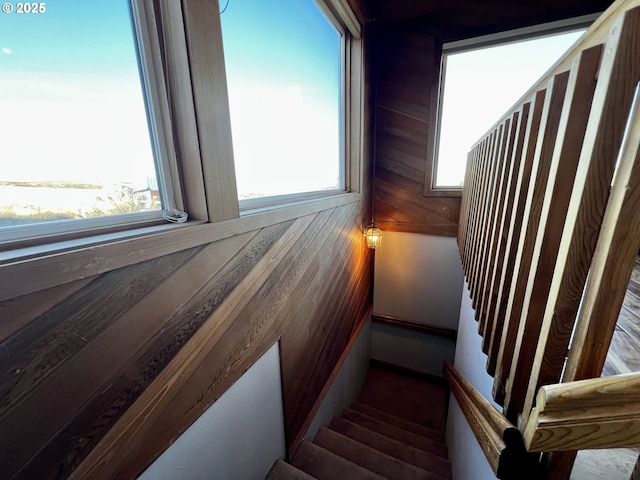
(373, 235)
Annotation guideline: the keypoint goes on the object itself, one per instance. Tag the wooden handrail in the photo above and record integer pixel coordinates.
(499, 439)
(586, 414)
(548, 236)
(415, 326)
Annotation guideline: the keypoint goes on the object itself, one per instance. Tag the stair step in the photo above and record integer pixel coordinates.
(391, 431)
(325, 465)
(401, 451)
(369, 458)
(285, 471)
(399, 422)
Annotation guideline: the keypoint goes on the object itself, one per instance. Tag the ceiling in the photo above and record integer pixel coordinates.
(450, 20)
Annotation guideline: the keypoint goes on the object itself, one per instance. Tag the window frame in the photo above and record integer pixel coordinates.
(186, 52)
(476, 43)
(44, 232)
(346, 25)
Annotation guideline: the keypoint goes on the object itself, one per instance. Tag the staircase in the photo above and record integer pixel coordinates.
(387, 433)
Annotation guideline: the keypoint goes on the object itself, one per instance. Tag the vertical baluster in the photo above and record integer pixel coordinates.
(515, 230)
(480, 211)
(494, 199)
(590, 191)
(570, 136)
(515, 167)
(463, 219)
(471, 193)
(539, 176)
(509, 140)
(486, 212)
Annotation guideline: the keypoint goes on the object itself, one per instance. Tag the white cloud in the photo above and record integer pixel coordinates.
(6, 50)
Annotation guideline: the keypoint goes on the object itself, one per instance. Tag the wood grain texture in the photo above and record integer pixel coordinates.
(613, 96)
(494, 261)
(492, 342)
(96, 332)
(614, 257)
(516, 162)
(407, 80)
(487, 423)
(564, 162)
(535, 197)
(18, 312)
(121, 365)
(209, 83)
(500, 440)
(580, 415)
(496, 163)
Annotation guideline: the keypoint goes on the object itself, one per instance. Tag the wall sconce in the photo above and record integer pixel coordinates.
(373, 234)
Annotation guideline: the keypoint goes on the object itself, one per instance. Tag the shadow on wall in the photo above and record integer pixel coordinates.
(417, 277)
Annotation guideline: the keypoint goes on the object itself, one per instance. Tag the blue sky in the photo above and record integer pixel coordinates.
(70, 36)
(71, 103)
(283, 41)
(283, 68)
(73, 68)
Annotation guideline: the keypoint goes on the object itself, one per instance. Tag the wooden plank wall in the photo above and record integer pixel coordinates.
(77, 359)
(408, 69)
(99, 376)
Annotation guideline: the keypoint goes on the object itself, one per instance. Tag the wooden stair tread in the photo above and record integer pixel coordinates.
(418, 441)
(379, 462)
(402, 451)
(285, 471)
(325, 465)
(399, 422)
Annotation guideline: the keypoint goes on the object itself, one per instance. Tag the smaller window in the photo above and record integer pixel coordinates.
(478, 87)
(284, 68)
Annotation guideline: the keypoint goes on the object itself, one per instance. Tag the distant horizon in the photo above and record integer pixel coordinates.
(71, 101)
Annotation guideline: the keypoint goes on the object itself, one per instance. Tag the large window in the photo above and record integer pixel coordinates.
(115, 112)
(284, 67)
(478, 86)
(76, 144)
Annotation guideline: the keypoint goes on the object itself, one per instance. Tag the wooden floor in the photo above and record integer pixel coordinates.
(623, 357)
(624, 353)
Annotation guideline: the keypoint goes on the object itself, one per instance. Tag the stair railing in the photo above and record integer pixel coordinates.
(548, 235)
(586, 414)
(500, 440)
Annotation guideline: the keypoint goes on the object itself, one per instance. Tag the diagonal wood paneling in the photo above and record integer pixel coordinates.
(82, 368)
(98, 376)
(407, 82)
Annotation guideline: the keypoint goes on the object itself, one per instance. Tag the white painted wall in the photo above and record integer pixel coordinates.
(467, 459)
(347, 383)
(239, 436)
(417, 277)
(414, 350)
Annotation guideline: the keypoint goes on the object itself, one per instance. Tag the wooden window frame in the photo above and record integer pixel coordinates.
(195, 113)
(520, 34)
